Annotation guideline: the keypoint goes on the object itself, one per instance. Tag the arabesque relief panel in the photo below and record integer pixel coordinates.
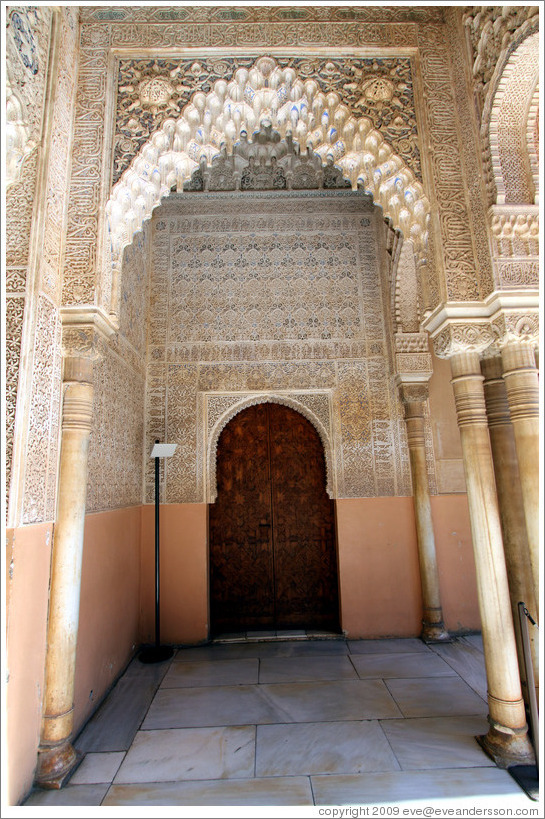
(270, 281)
(115, 446)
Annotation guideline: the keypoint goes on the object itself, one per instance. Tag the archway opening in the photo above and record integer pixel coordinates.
(273, 554)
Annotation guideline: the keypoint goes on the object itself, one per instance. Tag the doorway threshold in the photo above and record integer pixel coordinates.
(277, 636)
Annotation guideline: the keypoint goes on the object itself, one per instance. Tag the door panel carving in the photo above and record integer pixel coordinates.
(273, 560)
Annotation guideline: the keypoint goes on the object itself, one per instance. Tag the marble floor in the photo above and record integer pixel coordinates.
(305, 721)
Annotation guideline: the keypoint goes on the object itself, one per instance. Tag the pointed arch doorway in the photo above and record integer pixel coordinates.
(273, 554)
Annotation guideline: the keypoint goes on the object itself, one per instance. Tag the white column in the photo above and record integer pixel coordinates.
(515, 541)
(507, 738)
(56, 755)
(521, 381)
(433, 628)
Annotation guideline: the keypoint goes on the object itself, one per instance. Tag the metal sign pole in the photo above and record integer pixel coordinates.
(534, 715)
(158, 653)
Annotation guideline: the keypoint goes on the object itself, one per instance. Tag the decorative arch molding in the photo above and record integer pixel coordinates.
(509, 117)
(18, 142)
(242, 403)
(213, 122)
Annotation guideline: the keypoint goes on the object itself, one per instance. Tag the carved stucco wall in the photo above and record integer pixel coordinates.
(35, 226)
(115, 446)
(272, 297)
(261, 31)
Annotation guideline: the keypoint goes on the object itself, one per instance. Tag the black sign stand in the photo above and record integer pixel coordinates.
(156, 653)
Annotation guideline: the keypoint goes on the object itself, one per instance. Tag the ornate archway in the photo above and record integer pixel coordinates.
(261, 398)
(272, 534)
(233, 112)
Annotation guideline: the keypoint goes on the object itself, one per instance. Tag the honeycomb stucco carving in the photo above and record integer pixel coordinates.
(213, 121)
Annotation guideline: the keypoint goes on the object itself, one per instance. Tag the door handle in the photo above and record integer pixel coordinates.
(263, 523)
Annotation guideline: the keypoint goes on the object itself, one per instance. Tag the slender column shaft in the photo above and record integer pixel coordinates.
(507, 738)
(56, 756)
(520, 374)
(433, 628)
(513, 523)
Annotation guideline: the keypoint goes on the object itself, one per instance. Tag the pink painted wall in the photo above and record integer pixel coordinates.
(378, 568)
(455, 562)
(379, 575)
(109, 616)
(183, 561)
(28, 557)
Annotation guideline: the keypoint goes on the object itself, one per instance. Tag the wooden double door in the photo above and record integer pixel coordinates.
(273, 556)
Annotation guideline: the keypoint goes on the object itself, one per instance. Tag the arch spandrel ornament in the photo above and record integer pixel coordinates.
(298, 110)
(236, 404)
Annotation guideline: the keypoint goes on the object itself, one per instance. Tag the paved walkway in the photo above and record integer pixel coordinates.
(300, 722)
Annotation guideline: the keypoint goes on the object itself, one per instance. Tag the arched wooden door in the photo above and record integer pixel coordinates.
(273, 558)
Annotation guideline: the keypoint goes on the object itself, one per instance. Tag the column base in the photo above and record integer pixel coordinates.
(56, 765)
(435, 633)
(507, 749)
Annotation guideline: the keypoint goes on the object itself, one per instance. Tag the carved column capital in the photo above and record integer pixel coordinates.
(84, 331)
(517, 326)
(412, 356)
(514, 241)
(470, 336)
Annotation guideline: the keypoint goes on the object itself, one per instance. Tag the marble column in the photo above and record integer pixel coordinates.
(513, 523)
(507, 739)
(56, 755)
(521, 381)
(433, 628)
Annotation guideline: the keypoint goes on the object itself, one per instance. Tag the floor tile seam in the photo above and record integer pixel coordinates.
(437, 716)
(484, 699)
(385, 735)
(473, 768)
(143, 783)
(293, 722)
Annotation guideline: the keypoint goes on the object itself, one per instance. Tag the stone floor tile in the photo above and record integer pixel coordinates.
(203, 707)
(322, 748)
(211, 672)
(297, 669)
(116, 722)
(97, 768)
(402, 645)
(331, 701)
(467, 660)
(189, 753)
(290, 790)
(147, 671)
(437, 742)
(400, 786)
(475, 640)
(444, 697)
(267, 648)
(70, 795)
(385, 666)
